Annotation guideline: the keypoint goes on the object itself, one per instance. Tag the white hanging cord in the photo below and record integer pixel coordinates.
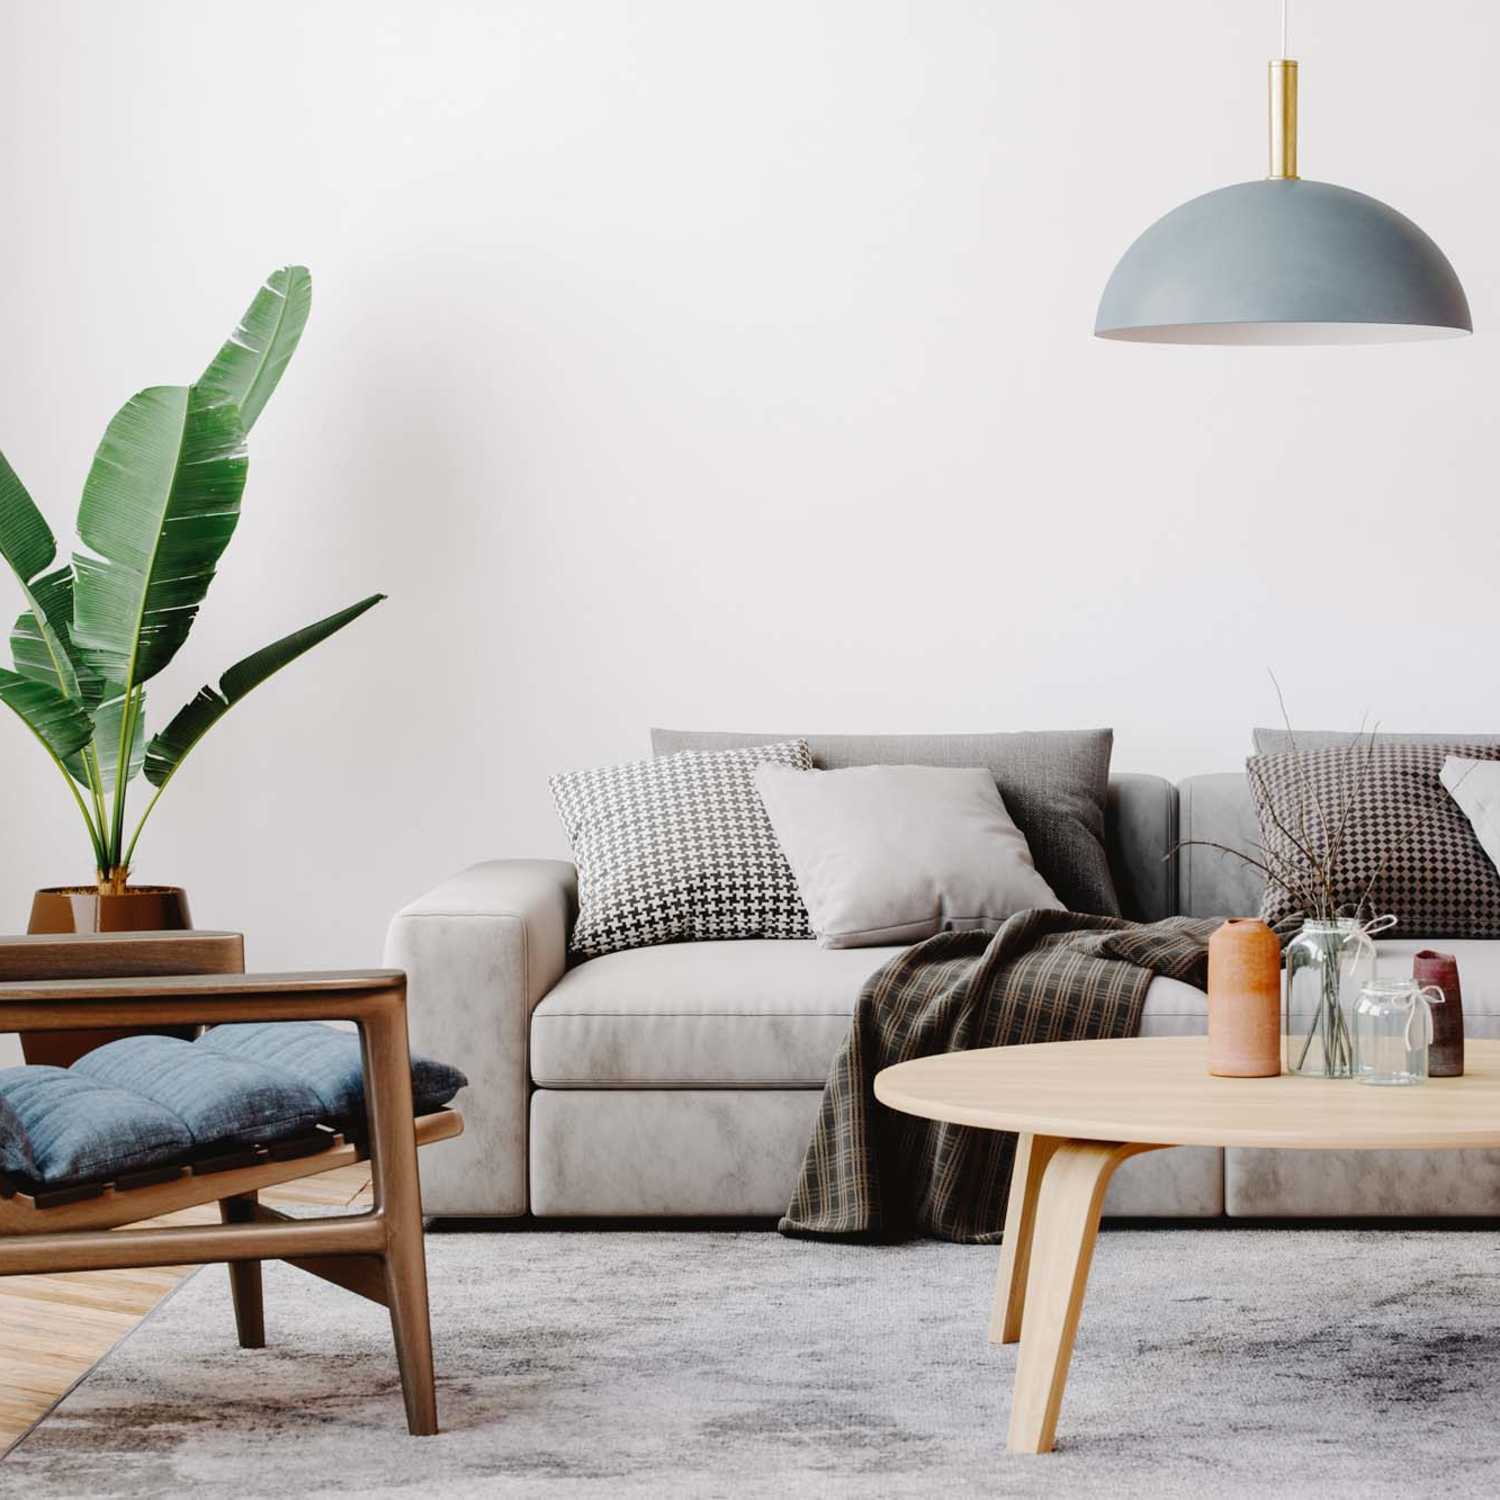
(1284, 4)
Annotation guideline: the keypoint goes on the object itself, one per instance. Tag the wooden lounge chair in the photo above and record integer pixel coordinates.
(82, 984)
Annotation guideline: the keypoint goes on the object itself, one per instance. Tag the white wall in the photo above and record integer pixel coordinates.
(729, 365)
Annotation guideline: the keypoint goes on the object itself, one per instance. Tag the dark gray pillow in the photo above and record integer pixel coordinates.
(218, 1098)
(16, 1159)
(326, 1060)
(1438, 881)
(79, 1129)
(1281, 741)
(1055, 784)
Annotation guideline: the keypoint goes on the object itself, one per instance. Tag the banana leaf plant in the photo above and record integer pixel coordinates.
(159, 505)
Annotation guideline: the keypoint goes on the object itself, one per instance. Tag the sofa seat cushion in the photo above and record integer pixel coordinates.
(766, 1014)
(757, 1013)
(751, 1014)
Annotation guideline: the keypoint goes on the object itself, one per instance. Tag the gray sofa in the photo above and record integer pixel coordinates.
(683, 1080)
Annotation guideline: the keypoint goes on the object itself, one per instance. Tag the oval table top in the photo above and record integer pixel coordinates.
(1159, 1090)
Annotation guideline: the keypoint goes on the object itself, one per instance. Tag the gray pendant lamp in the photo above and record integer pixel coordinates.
(1283, 261)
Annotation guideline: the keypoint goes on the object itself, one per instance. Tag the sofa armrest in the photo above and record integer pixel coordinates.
(479, 952)
(1218, 809)
(1140, 833)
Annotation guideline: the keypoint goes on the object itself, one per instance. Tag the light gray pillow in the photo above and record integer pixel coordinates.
(894, 854)
(1475, 786)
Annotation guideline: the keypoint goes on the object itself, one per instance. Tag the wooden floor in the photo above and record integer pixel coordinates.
(55, 1328)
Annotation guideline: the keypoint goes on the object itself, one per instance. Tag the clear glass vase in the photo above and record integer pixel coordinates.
(1327, 964)
(1393, 1031)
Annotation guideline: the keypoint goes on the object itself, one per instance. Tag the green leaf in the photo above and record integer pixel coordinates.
(26, 540)
(246, 370)
(168, 749)
(41, 644)
(59, 722)
(107, 746)
(159, 505)
(44, 651)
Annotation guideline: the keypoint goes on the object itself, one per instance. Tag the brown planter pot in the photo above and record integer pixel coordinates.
(140, 908)
(81, 908)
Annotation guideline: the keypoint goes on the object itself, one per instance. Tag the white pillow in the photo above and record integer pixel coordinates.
(1475, 786)
(893, 854)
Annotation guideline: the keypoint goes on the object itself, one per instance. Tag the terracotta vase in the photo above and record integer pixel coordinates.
(1244, 1000)
(1445, 1058)
(81, 908)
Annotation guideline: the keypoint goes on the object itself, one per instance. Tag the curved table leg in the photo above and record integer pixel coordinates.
(1060, 1250)
(1033, 1152)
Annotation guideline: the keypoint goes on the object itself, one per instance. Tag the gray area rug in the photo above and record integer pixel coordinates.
(1209, 1363)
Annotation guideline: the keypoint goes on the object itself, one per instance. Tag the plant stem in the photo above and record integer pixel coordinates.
(96, 780)
(94, 833)
(128, 714)
(135, 837)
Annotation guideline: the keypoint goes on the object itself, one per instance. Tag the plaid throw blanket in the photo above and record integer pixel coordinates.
(1045, 976)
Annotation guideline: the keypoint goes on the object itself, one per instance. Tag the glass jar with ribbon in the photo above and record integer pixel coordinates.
(1393, 1031)
(1327, 963)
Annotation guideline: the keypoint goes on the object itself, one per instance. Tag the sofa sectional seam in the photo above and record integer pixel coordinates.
(679, 1015)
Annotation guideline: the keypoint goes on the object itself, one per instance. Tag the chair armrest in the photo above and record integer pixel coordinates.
(199, 989)
(480, 951)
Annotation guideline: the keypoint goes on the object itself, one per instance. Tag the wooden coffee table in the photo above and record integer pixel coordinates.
(1081, 1108)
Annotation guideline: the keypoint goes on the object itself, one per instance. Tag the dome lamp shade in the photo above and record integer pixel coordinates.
(1283, 261)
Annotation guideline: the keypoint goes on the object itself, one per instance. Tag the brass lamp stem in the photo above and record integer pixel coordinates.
(1283, 118)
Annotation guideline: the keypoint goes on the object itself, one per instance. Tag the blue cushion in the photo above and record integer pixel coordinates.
(15, 1146)
(218, 1098)
(79, 1129)
(147, 1100)
(326, 1059)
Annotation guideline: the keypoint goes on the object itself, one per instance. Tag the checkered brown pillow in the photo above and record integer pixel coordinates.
(679, 848)
(1437, 880)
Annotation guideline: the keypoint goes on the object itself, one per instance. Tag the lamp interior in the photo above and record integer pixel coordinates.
(1281, 333)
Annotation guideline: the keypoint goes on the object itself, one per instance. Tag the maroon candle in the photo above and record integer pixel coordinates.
(1446, 1059)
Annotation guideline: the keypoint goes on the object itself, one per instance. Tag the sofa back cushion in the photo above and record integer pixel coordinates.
(1055, 784)
(1279, 741)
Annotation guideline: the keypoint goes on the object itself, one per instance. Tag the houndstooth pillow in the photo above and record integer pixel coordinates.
(679, 848)
(1437, 880)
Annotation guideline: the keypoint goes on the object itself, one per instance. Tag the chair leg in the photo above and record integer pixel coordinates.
(244, 1278)
(406, 1294)
(398, 1198)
